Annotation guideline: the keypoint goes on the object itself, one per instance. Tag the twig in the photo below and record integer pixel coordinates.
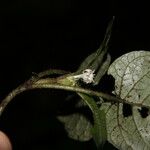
(52, 84)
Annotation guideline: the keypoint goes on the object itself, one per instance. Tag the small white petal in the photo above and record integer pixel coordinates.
(87, 76)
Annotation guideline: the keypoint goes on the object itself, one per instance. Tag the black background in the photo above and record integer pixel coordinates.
(37, 35)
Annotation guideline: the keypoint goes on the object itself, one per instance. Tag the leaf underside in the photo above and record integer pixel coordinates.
(132, 83)
(77, 124)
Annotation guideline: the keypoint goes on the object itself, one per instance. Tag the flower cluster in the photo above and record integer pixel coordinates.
(87, 76)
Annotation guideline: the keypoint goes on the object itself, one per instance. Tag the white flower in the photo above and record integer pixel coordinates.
(87, 76)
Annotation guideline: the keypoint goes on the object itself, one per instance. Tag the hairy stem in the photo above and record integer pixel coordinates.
(36, 84)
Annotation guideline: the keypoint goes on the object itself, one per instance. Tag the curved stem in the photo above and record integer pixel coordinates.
(106, 96)
(54, 85)
(10, 96)
(27, 85)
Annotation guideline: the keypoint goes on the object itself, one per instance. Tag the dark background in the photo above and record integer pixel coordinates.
(37, 35)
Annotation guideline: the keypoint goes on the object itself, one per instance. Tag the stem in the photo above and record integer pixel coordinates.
(52, 71)
(106, 96)
(10, 96)
(28, 85)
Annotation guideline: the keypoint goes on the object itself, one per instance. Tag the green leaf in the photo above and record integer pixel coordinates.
(96, 61)
(132, 83)
(99, 128)
(77, 124)
(80, 128)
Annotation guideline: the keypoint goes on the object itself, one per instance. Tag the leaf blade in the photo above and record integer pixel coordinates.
(96, 59)
(131, 72)
(99, 128)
